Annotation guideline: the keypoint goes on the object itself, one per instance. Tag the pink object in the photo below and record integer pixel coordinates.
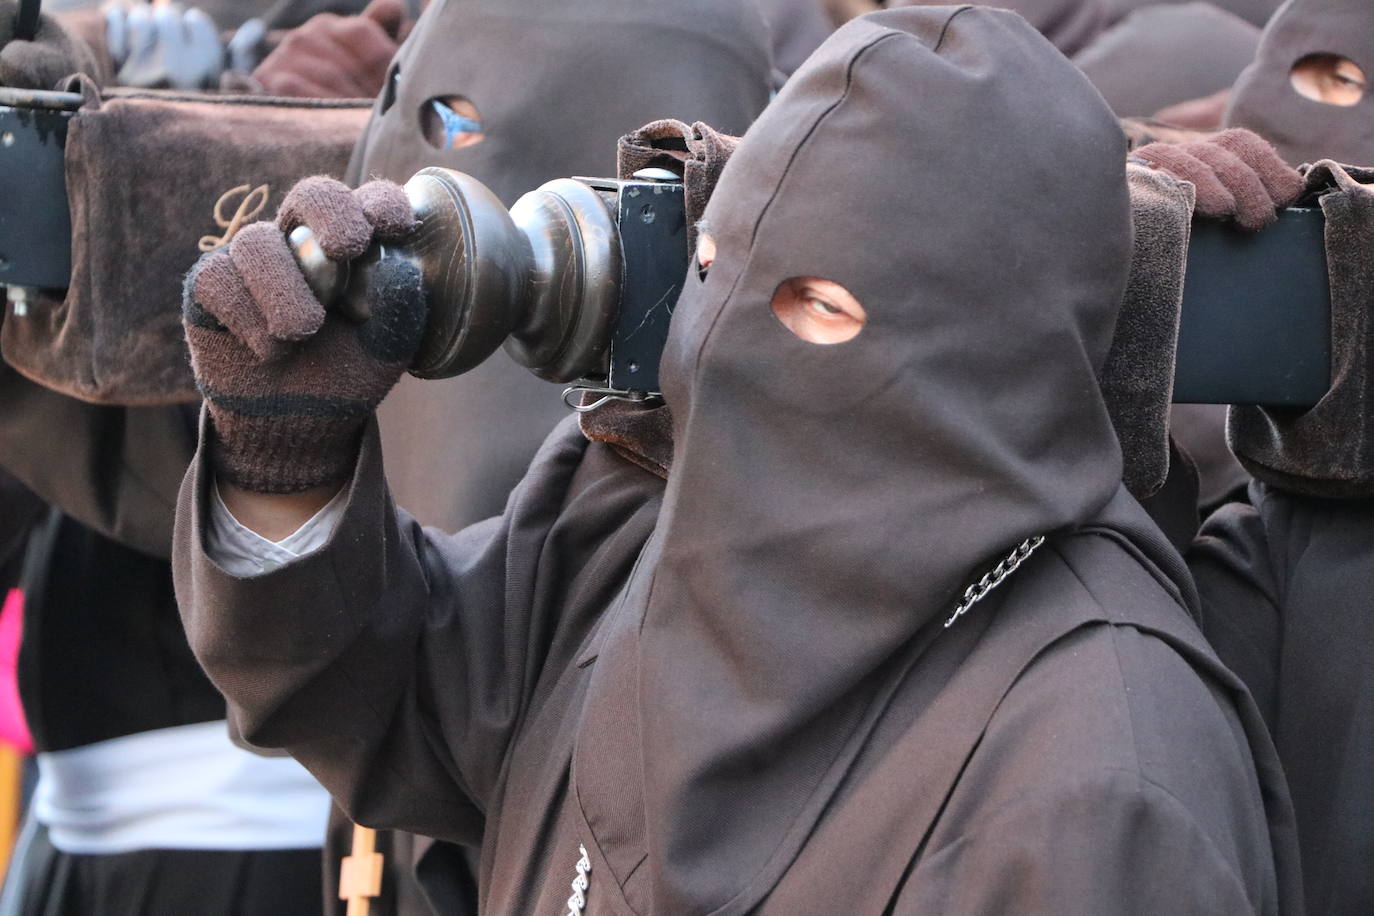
(14, 729)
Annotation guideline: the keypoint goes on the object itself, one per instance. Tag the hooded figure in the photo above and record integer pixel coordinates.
(1304, 129)
(1161, 55)
(1070, 24)
(553, 87)
(768, 695)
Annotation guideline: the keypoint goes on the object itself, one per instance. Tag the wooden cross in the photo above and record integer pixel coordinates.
(360, 876)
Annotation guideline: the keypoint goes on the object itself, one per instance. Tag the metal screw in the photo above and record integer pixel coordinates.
(647, 214)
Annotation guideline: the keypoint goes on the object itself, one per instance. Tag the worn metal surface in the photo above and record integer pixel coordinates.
(35, 222)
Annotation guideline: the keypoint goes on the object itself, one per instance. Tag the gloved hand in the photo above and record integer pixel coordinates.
(336, 57)
(289, 388)
(43, 62)
(1238, 175)
(163, 46)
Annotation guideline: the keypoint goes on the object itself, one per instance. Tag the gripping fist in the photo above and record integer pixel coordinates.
(1238, 175)
(288, 387)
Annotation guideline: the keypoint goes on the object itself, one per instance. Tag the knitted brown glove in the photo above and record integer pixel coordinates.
(42, 63)
(1238, 175)
(288, 387)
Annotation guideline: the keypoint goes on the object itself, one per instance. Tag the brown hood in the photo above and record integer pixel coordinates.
(1069, 24)
(1255, 12)
(1161, 55)
(558, 83)
(798, 28)
(1302, 129)
(828, 504)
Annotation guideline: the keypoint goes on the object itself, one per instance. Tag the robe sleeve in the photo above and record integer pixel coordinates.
(1112, 844)
(114, 469)
(1240, 595)
(395, 662)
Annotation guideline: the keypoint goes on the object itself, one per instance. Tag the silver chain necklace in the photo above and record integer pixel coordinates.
(995, 577)
(975, 593)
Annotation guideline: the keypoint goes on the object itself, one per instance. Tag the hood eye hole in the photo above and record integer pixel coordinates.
(451, 122)
(1328, 78)
(818, 311)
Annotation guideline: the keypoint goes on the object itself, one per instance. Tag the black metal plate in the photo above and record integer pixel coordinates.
(35, 222)
(653, 237)
(1256, 321)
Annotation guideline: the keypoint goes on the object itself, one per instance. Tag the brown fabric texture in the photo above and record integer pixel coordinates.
(145, 172)
(1328, 450)
(1305, 130)
(114, 469)
(52, 55)
(1137, 377)
(1070, 24)
(1255, 12)
(1162, 55)
(736, 693)
(798, 28)
(640, 434)
(553, 103)
(1285, 580)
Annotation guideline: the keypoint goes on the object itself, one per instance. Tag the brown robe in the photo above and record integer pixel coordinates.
(733, 692)
(1284, 585)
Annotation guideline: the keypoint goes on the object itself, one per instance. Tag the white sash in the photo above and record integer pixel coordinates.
(187, 787)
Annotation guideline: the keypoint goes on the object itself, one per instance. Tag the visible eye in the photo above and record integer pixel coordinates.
(823, 308)
(1329, 78)
(818, 311)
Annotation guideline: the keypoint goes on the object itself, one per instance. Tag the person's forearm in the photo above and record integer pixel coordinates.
(274, 516)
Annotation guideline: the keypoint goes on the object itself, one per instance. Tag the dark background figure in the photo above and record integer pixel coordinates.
(1306, 90)
(1284, 575)
(1162, 55)
(798, 28)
